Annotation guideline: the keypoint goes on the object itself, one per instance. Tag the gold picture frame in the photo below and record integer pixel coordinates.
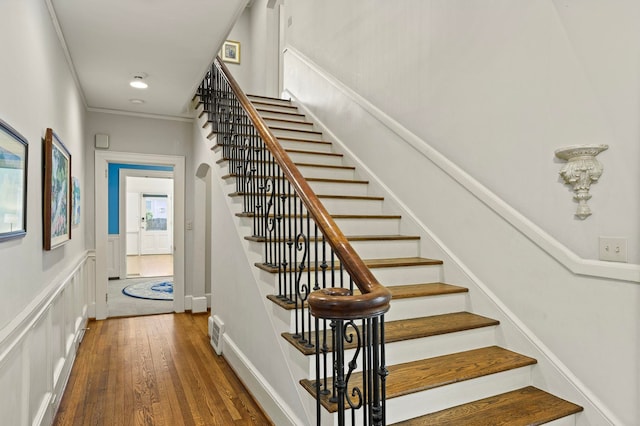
(57, 192)
(230, 51)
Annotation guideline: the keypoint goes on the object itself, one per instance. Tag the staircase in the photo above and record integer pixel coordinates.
(445, 364)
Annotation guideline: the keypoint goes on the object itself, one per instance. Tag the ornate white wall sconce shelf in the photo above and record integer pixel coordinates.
(582, 169)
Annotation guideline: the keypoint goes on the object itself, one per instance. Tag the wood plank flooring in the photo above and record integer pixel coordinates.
(154, 370)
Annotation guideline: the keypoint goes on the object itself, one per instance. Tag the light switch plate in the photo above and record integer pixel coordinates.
(613, 249)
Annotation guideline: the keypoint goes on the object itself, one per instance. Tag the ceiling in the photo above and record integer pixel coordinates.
(171, 41)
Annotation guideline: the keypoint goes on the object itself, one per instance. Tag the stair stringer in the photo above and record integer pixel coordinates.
(273, 384)
(550, 374)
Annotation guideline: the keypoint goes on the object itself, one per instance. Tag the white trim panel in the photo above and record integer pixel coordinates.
(38, 348)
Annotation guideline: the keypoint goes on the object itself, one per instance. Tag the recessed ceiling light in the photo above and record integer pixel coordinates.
(138, 82)
(136, 101)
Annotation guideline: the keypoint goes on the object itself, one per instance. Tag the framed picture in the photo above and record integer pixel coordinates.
(231, 51)
(57, 192)
(76, 201)
(13, 183)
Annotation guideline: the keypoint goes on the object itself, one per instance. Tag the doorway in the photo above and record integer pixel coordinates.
(144, 283)
(148, 221)
(102, 161)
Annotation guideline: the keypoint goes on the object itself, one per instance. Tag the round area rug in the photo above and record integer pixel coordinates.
(154, 290)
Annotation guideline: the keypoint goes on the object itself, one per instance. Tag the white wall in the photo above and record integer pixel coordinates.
(38, 91)
(497, 87)
(257, 31)
(577, 322)
(43, 306)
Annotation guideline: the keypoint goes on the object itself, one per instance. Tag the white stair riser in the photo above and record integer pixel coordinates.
(347, 206)
(565, 421)
(354, 226)
(415, 349)
(419, 403)
(369, 226)
(326, 172)
(381, 249)
(328, 160)
(387, 276)
(292, 125)
(281, 115)
(408, 274)
(414, 307)
(306, 146)
(395, 275)
(296, 134)
(341, 188)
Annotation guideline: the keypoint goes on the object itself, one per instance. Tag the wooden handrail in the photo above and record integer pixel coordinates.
(330, 303)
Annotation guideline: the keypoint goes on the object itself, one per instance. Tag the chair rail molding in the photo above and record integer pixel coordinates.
(581, 170)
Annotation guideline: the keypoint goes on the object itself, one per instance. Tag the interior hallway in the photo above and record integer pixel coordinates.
(154, 370)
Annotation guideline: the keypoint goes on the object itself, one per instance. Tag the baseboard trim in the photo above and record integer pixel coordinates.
(277, 410)
(198, 304)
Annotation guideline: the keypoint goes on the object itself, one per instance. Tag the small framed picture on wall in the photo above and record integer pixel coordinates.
(13, 183)
(231, 51)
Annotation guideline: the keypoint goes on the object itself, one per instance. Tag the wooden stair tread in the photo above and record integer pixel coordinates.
(522, 407)
(430, 373)
(267, 98)
(374, 263)
(268, 104)
(302, 140)
(413, 328)
(350, 238)
(397, 292)
(293, 113)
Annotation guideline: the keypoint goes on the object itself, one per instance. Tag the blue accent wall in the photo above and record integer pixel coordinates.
(114, 190)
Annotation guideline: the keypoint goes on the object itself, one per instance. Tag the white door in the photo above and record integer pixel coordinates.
(156, 227)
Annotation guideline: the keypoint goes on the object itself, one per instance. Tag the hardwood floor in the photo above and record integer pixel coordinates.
(150, 265)
(154, 370)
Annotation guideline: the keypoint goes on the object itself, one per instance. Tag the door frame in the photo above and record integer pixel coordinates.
(102, 160)
(122, 195)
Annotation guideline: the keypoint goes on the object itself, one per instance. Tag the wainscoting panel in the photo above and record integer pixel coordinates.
(12, 406)
(39, 352)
